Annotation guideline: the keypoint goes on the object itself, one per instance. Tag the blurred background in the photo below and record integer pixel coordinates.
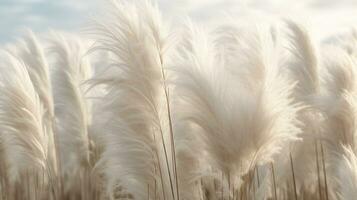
(324, 17)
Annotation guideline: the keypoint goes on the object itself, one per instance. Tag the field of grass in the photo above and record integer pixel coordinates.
(136, 107)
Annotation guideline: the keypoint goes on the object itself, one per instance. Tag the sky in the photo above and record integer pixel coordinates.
(323, 17)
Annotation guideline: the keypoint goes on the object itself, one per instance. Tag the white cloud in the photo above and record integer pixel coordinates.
(7, 10)
(324, 16)
(78, 5)
(34, 19)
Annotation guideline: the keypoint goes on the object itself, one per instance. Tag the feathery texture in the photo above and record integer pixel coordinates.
(21, 121)
(31, 53)
(135, 155)
(241, 123)
(70, 69)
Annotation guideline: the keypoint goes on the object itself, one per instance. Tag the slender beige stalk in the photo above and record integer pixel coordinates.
(324, 169)
(166, 161)
(167, 164)
(173, 150)
(318, 169)
(293, 174)
(257, 172)
(252, 183)
(155, 189)
(229, 186)
(234, 191)
(57, 159)
(222, 180)
(274, 182)
(241, 194)
(160, 172)
(251, 174)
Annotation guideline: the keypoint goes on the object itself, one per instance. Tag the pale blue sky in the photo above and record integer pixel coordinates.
(40, 15)
(324, 16)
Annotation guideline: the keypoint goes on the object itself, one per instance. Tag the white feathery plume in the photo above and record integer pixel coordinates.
(339, 74)
(134, 156)
(39, 72)
(203, 106)
(338, 104)
(31, 52)
(275, 111)
(304, 62)
(242, 123)
(70, 70)
(22, 132)
(302, 67)
(191, 167)
(274, 116)
(339, 100)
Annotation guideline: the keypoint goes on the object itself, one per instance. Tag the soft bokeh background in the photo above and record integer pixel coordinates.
(324, 17)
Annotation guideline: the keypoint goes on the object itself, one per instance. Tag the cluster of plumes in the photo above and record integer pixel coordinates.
(141, 110)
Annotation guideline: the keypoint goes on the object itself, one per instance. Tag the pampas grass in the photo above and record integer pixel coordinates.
(24, 138)
(135, 108)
